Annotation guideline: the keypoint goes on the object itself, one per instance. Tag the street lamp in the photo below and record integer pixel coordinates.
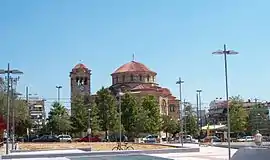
(119, 95)
(179, 82)
(58, 93)
(89, 125)
(13, 94)
(8, 72)
(199, 106)
(226, 52)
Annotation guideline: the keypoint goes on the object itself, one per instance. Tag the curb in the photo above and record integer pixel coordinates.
(101, 153)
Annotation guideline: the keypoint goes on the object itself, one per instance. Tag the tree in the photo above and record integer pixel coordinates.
(258, 118)
(108, 115)
(22, 119)
(190, 121)
(169, 125)
(84, 114)
(133, 116)
(238, 115)
(151, 106)
(58, 119)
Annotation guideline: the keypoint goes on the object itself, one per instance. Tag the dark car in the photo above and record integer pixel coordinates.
(46, 138)
(90, 138)
(116, 138)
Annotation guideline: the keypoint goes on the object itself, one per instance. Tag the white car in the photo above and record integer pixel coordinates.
(150, 139)
(246, 139)
(65, 138)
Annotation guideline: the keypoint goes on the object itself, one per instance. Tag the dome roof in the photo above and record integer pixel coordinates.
(80, 66)
(132, 67)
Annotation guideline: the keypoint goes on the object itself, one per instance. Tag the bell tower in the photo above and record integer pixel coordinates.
(80, 80)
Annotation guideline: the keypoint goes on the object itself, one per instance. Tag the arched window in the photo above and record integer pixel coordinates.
(164, 106)
(85, 81)
(140, 77)
(148, 78)
(172, 108)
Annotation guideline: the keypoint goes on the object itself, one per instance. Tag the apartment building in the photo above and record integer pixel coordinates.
(37, 113)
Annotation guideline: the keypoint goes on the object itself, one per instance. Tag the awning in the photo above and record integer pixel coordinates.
(214, 127)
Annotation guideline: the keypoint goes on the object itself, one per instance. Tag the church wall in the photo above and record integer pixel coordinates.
(173, 108)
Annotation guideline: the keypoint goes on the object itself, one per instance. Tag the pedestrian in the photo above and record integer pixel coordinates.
(258, 138)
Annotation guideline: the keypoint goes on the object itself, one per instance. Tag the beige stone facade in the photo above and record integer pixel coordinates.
(134, 77)
(80, 80)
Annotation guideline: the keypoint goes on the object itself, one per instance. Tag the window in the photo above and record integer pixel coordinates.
(140, 77)
(116, 79)
(131, 78)
(172, 108)
(85, 81)
(123, 78)
(148, 78)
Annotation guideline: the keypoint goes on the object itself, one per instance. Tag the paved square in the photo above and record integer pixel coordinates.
(206, 153)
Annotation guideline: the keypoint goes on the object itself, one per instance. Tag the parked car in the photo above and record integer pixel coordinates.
(64, 138)
(115, 138)
(90, 138)
(189, 139)
(211, 139)
(246, 139)
(46, 138)
(150, 139)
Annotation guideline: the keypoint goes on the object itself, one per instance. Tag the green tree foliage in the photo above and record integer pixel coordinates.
(108, 111)
(133, 116)
(151, 106)
(238, 115)
(22, 119)
(190, 120)
(84, 111)
(58, 119)
(258, 118)
(169, 125)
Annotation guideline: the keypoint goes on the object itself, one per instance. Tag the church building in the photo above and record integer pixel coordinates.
(133, 77)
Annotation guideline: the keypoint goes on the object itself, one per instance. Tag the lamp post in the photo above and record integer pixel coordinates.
(197, 106)
(200, 106)
(58, 93)
(89, 125)
(13, 94)
(226, 52)
(9, 72)
(179, 82)
(119, 95)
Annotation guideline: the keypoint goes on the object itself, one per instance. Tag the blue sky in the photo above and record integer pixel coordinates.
(47, 38)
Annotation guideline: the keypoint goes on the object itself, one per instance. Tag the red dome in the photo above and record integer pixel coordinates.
(132, 67)
(80, 66)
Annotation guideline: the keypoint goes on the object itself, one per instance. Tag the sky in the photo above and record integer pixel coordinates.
(175, 38)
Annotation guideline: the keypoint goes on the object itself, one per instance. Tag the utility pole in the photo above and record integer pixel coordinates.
(58, 93)
(179, 82)
(226, 52)
(8, 72)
